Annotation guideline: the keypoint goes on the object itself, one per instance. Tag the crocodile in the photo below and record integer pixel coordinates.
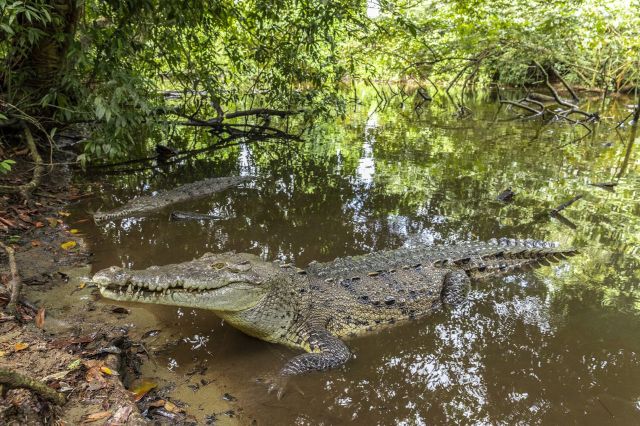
(317, 308)
(182, 216)
(150, 203)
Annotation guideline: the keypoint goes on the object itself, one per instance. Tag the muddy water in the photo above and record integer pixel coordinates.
(561, 344)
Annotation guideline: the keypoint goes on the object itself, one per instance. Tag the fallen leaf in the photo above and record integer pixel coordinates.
(63, 213)
(35, 243)
(2, 353)
(40, 317)
(20, 346)
(108, 371)
(25, 218)
(94, 374)
(172, 408)
(55, 376)
(82, 285)
(142, 389)
(74, 231)
(120, 417)
(52, 222)
(74, 365)
(38, 224)
(68, 245)
(96, 416)
(158, 403)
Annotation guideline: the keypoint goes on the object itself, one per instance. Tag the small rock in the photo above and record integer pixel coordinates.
(229, 397)
(506, 196)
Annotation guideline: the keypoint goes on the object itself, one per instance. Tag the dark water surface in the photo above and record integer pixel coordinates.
(557, 345)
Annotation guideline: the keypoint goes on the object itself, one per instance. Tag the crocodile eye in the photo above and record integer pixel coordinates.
(218, 265)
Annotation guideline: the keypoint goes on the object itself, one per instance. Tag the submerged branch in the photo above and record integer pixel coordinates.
(572, 108)
(523, 106)
(565, 205)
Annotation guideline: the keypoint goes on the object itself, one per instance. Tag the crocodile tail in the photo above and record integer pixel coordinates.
(469, 256)
(518, 259)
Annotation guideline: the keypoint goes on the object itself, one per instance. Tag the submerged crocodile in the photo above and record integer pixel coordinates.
(314, 309)
(181, 216)
(191, 191)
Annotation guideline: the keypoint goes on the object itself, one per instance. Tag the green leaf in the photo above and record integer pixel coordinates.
(100, 111)
(7, 29)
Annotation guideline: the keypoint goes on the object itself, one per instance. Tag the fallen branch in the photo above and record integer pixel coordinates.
(218, 121)
(261, 111)
(523, 106)
(573, 108)
(17, 380)
(567, 86)
(552, 89)
(15, 283)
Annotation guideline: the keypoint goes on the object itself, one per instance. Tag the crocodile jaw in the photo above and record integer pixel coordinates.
(226, 296)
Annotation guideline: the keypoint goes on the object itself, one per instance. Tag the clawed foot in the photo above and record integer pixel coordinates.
(278, 384)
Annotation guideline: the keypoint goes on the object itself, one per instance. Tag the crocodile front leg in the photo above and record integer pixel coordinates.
(327, 352)
(455, 288)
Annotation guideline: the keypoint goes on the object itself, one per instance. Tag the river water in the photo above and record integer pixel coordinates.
(559, 344)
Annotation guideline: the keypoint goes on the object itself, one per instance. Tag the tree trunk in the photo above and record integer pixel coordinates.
(32, 72)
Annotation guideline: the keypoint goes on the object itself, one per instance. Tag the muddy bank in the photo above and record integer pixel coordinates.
(65, 337)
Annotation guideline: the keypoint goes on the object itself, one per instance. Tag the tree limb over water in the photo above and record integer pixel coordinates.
(538, 104)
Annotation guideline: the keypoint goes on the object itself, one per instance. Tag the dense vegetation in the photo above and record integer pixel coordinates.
(121, 65)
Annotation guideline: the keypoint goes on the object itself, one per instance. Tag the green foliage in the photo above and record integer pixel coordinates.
(6, 165)
(593, 43)
(122, 55)
(108, 62)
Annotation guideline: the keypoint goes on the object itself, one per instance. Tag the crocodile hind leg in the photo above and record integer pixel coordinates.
(455, 288)
(327, 352)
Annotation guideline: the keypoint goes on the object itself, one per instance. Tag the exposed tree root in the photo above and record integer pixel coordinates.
(27, 188)
(16, 380)
(15, 283)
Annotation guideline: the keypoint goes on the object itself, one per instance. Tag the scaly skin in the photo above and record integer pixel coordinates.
(315, 309)
(191, 191)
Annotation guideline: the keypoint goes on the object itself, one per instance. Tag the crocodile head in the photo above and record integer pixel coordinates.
(226, 282)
